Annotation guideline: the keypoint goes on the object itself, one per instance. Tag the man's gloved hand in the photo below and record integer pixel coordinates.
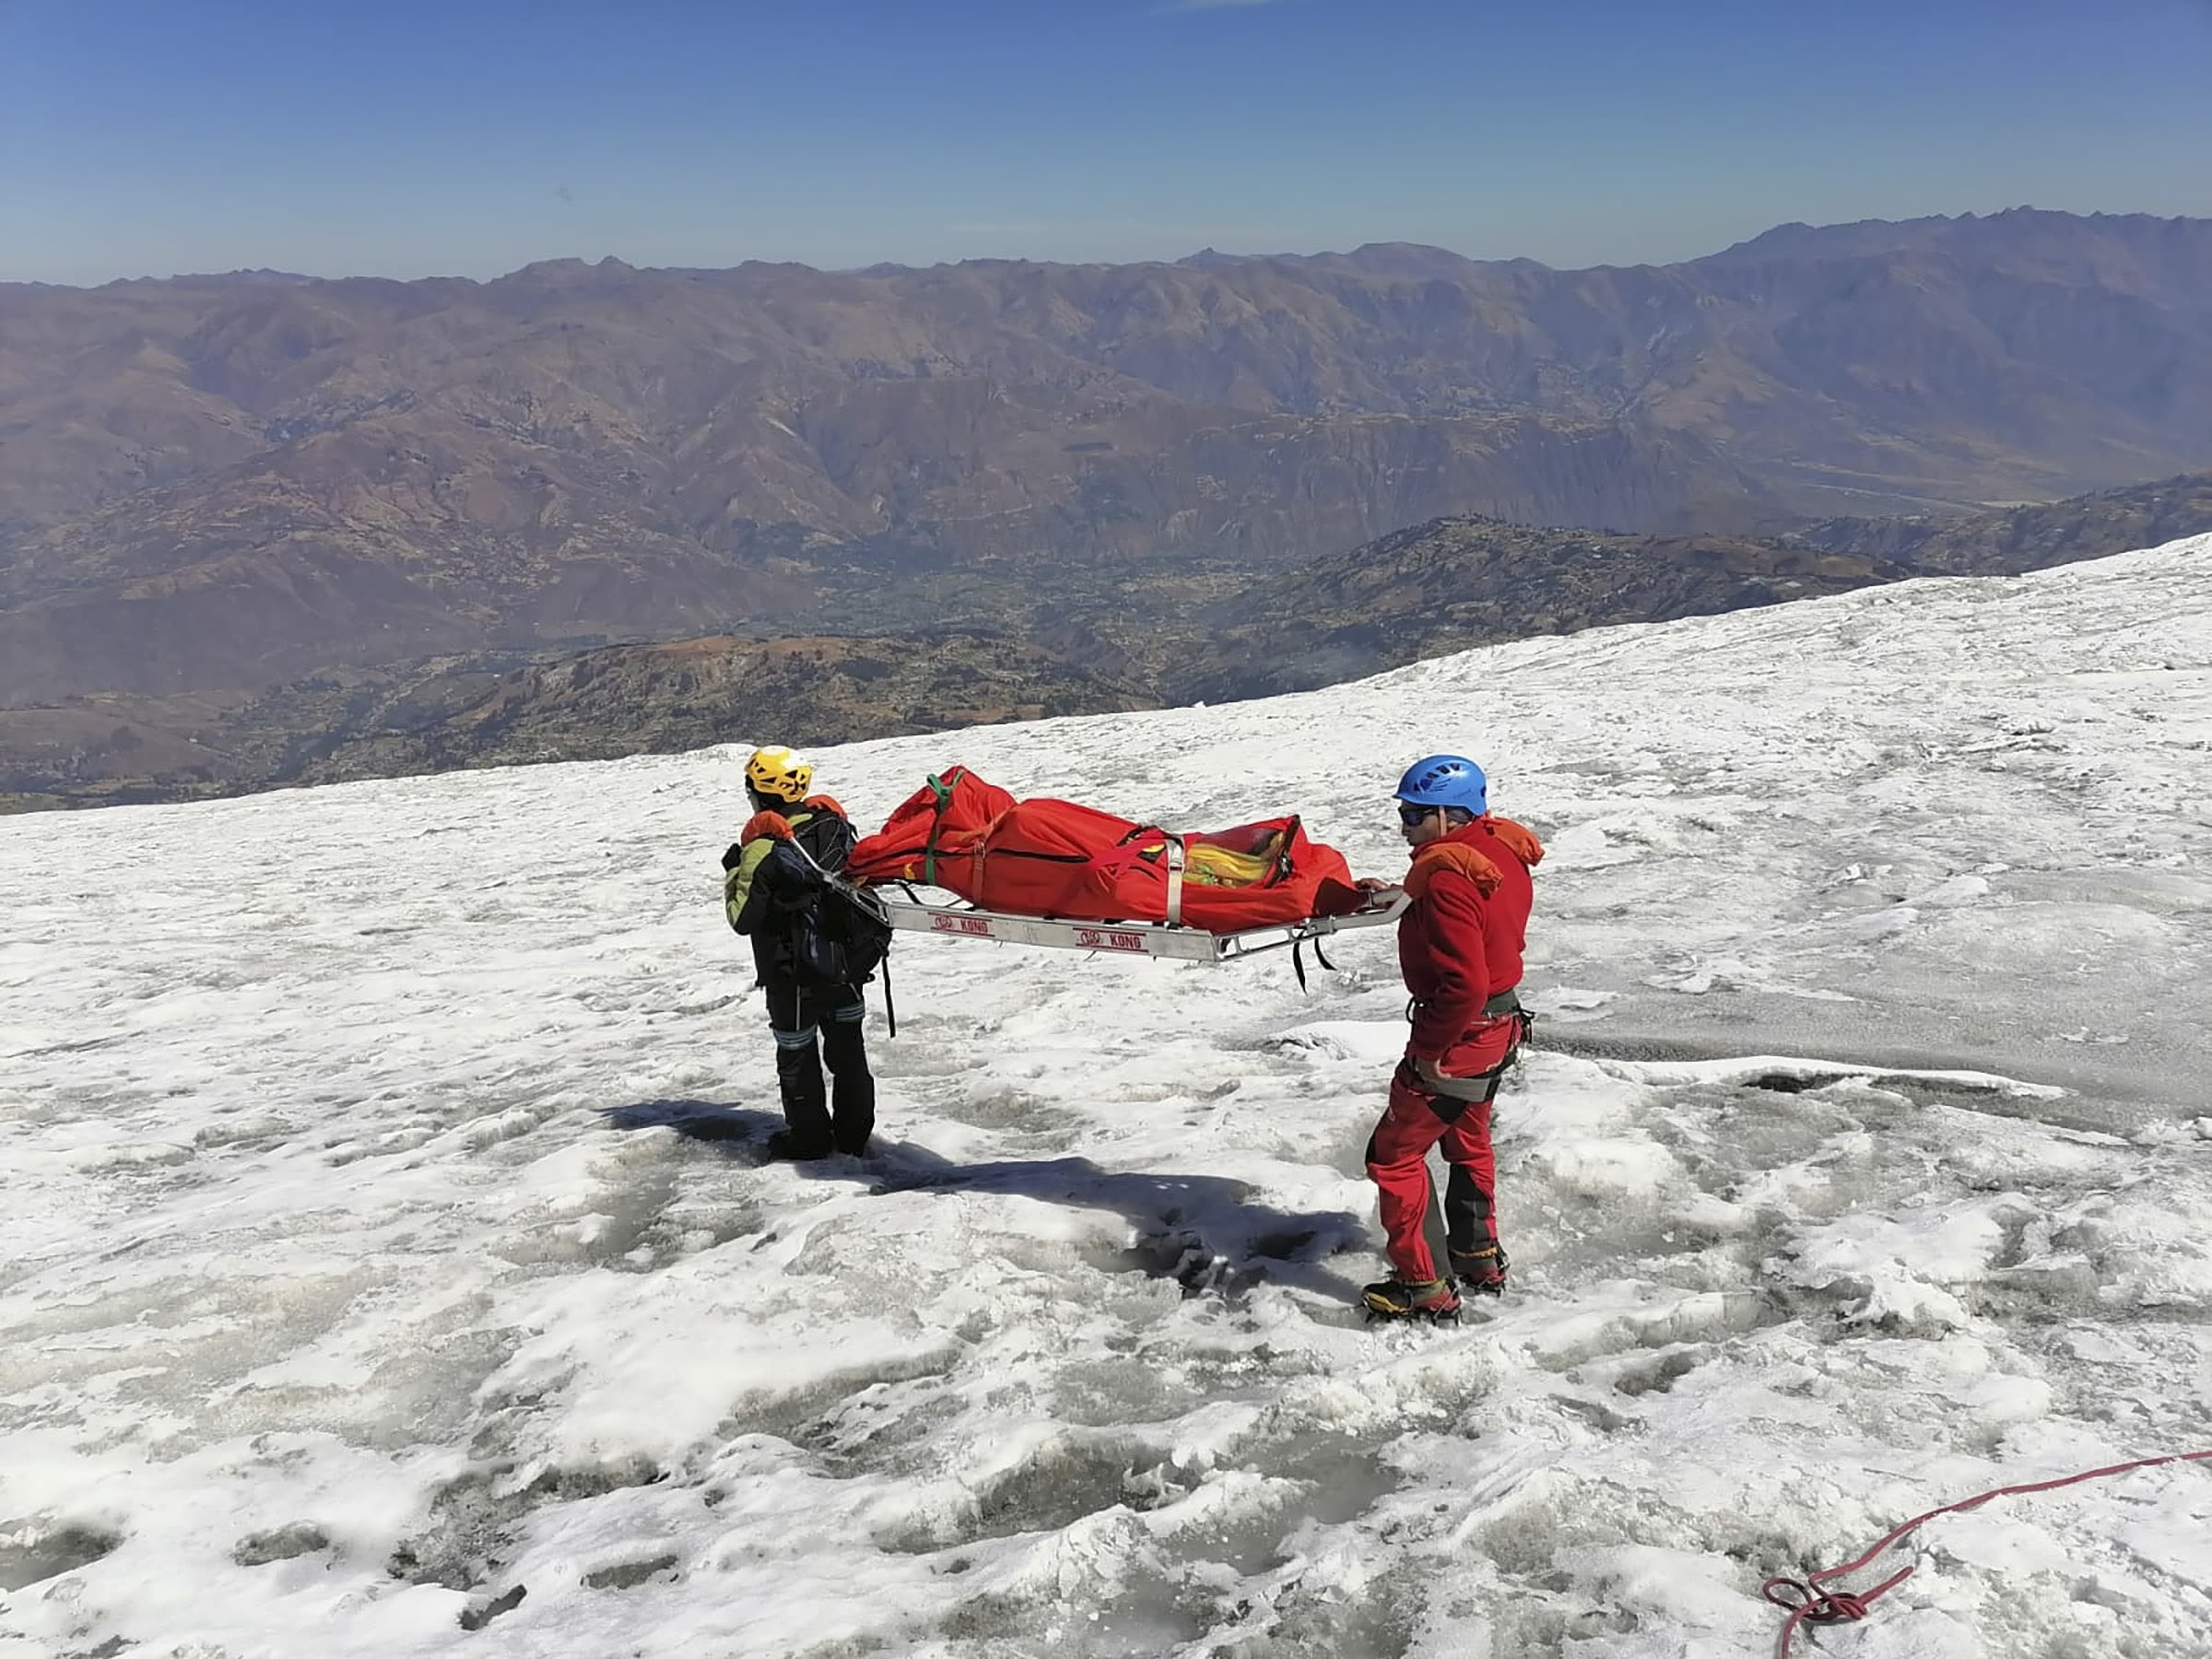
(1426, 1070)
(732, 853)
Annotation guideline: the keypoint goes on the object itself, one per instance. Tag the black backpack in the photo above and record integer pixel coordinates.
(839, 933)
(841, 936)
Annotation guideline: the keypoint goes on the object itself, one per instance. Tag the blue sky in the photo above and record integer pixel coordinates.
(400, 138)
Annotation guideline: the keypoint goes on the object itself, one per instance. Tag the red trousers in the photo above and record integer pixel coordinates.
(1397, 1162)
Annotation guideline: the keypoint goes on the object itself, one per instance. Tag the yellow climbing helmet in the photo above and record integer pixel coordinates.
(778, 772)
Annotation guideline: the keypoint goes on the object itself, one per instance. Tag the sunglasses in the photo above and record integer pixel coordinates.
(1409, 814)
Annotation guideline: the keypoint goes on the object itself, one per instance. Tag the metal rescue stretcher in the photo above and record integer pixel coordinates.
(1170, 940)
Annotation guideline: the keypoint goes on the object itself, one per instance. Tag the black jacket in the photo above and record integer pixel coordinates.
(768, 882)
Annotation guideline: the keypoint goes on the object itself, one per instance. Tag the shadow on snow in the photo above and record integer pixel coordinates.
(1202, 1231)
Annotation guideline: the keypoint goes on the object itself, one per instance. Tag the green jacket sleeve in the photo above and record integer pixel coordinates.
(744, 894)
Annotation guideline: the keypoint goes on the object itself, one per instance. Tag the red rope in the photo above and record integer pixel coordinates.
(1813, 1604)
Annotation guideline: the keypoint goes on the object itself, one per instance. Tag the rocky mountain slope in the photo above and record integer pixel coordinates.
(2026, 539)
(1459, 582)
(1173, 638)
(369, 546)
(597, 705)
(654, 699)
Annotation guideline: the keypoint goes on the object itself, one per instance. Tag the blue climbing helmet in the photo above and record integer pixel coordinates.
(1445, 780)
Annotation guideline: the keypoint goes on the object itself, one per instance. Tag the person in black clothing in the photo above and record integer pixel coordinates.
(771, 876)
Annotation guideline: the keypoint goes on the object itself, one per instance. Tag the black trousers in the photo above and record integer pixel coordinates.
(814, 1025)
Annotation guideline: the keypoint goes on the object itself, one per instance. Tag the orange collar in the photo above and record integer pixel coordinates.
(1459, 852)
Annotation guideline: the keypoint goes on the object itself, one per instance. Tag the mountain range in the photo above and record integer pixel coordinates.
(248, 519)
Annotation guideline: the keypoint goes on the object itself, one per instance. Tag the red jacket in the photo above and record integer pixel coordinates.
(1461, 942)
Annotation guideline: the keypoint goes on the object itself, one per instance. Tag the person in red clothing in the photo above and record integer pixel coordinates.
(1459, 948)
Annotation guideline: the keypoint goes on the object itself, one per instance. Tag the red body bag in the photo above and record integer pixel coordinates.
(1060, 860)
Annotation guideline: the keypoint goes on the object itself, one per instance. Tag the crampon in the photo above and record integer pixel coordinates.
(1436, 1301)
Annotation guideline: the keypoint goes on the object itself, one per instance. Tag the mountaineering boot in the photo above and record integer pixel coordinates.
(1480, 1271)
(786, 1144)
(1394, 1299)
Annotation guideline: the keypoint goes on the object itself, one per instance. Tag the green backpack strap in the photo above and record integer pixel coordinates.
(936, 822)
